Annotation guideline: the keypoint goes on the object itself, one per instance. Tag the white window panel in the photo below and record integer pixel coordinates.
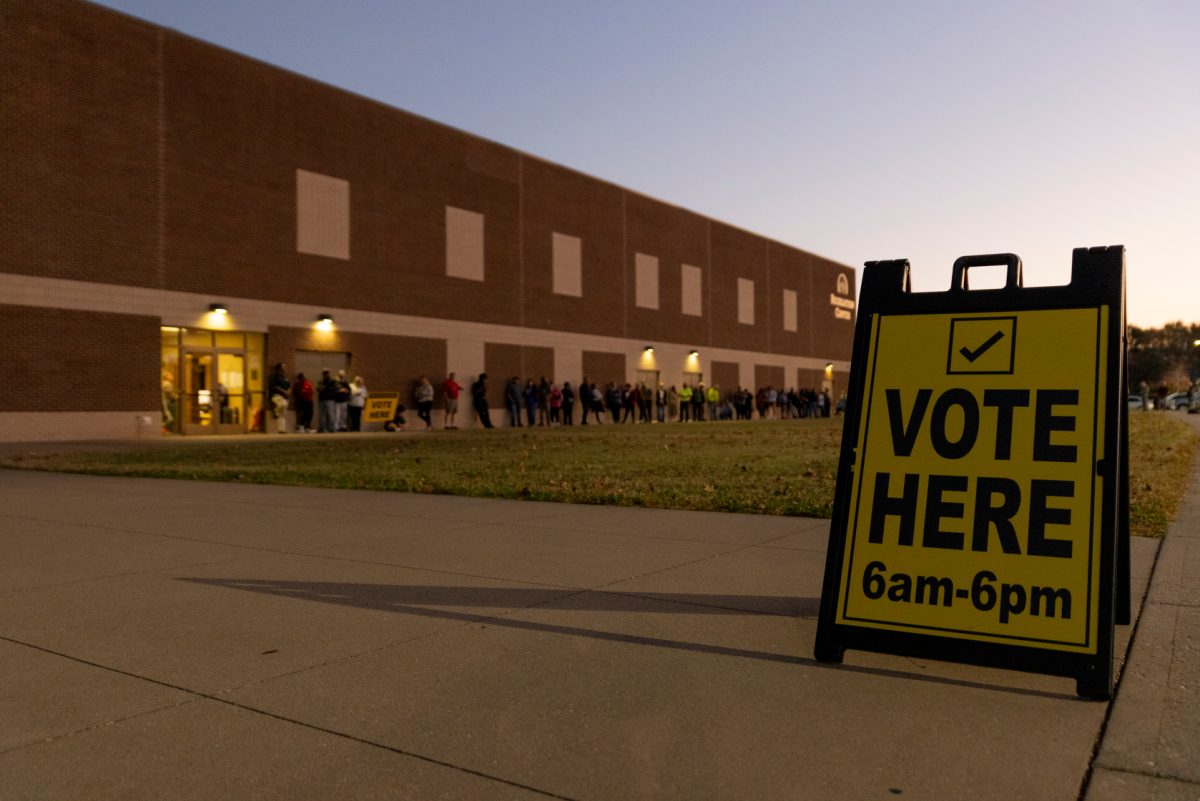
(789, 309)
(691, 294)
(567, 257)
(745, 293)
(645, 281)
(464, 244)
(322, 215)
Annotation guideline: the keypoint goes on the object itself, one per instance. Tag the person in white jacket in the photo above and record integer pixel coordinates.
(424, 397)
(358, 400)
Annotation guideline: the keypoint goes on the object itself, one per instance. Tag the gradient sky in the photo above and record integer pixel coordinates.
(856, 130)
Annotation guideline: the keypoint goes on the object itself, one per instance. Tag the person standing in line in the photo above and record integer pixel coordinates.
(672, 404)
(698, 395)
(450, 392)
(629, 399)
(585, 399)
(530, 395)
(357, 402)
(343, 402)
(555, 405)
(598, 404)
(612, 396)
(543, 402)
(512, 400)
(327, 392)
(423, 395)
(480, 402)
(685, 402)
(568, 404)
(280, 388)
(303, 393)
(714, 398)
(660, 403)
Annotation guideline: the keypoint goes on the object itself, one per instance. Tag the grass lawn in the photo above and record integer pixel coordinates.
(1160, 457)
(768, 467)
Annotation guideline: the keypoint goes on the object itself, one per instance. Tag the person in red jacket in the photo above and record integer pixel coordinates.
(303, 390)
(450, 392)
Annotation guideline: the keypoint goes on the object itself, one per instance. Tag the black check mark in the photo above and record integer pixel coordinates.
(972, 355)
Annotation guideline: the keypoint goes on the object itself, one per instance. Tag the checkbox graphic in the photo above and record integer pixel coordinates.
(982, 345)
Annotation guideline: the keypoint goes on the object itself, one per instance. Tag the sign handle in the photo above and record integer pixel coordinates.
(1014, 280)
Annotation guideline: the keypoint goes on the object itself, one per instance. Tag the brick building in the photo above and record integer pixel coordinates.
(147, 177)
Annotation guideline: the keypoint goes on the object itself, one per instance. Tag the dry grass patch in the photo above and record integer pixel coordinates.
(772, 467)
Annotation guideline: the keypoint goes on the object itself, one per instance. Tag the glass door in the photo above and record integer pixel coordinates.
(197, 393)
(230, 393)
(212, 381)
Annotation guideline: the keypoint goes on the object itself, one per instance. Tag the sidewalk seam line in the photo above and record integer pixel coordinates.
(218, 699)
(85, 729)
(1137, 622)
(1149, 775)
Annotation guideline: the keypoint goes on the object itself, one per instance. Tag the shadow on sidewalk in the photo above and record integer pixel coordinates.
(418, 599)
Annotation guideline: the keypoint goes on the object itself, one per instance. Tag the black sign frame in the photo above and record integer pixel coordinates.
(1097, 279)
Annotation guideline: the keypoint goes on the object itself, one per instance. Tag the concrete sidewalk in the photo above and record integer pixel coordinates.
(1151, 746)
(163, 639)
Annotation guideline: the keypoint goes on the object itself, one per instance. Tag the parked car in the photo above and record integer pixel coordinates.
(1135, 403)
(1178, 400)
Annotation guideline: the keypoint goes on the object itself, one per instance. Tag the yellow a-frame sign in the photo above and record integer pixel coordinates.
(982, 486)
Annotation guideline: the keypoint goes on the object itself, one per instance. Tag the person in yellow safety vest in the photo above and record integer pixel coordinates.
(685, 403)
(713, 397)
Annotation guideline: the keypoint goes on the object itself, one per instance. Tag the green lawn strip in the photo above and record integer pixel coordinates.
(783, 467)
(765, 467)
(1161, 447)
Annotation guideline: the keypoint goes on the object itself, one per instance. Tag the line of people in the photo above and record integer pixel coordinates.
(339, 403)
(545, 403)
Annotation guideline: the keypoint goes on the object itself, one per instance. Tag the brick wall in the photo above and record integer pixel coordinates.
(604, 367)
(768, 375)
(725, 376)
(502, 362)
(386, 363)
(558, 199)
(737, 254)
(74, 361)
(674, 236)
(137, 155)
(832, 338)
(79, 126)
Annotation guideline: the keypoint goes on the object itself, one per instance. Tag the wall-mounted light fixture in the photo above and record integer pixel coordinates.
(648, 349)
(693, 354)
(218, 308)
(324, 322)
(828, 368)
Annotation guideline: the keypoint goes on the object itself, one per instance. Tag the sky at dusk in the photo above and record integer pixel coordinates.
(858, 131)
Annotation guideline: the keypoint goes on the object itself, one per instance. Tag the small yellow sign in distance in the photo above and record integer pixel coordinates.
(380, 407)
(976, 501)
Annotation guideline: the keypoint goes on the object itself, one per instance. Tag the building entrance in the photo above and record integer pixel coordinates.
(649, 378)
(212, 381)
